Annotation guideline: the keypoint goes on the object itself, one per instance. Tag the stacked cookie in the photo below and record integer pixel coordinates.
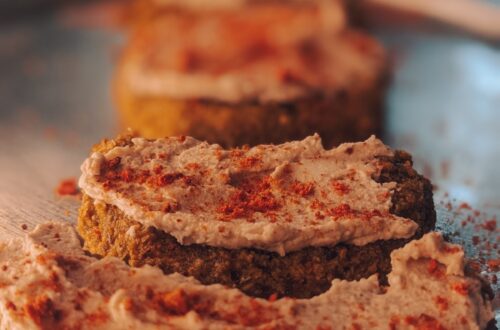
(288, 236)
(274, 219)
(250, 72)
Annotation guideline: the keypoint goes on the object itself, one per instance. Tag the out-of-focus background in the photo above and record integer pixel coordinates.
(57, 59)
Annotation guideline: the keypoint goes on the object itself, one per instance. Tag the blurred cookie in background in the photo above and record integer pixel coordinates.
(250, 72)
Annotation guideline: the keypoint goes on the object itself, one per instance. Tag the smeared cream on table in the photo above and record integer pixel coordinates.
(48, 282)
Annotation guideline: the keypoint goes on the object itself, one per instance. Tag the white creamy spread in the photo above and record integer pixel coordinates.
(201, 4)
(342, 67)
(247, 56)
(278, 198)
(223, 4)
(47, 282)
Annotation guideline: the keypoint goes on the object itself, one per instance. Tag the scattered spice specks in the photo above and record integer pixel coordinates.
(68, 187)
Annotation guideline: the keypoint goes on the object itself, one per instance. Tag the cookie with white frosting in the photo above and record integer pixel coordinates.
(270, 72)
(273, 219)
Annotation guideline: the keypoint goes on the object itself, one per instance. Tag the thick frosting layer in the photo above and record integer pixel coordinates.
(201, 4)
(229, 4)
(263, 53)
(47, 282)
(278, 198)
(225, 4)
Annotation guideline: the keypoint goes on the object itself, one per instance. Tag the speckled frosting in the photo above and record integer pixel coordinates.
(271, 53)
(47, 282)
(273, 197)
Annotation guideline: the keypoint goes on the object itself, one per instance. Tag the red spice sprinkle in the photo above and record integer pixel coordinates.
(382, 197)
(394, 322)
(192, 166)
(462, 288)
(68, 187)
(126, 175)
(250, 198)
(340, 211)
(254, 304)
(303, 189)
(490, 225)
(96, 318)
(319, 215)
(340, 188)
(441, 302)
(249, 162)
(236, 153)
(173, 303)
(112, 163)
(367, 215)
(273, 297)
(494, 264)
(169, 178)
(424, 322)
(432, 266)
(157, 169)
(10, 305)
(42, 309)
(316, 204)
(451, 249)
(129, 305)
(465, 206)
(272, 217)
(323, 327)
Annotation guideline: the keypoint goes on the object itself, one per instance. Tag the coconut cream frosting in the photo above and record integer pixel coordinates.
(263, 53)
(48, 282)
(273, 197)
